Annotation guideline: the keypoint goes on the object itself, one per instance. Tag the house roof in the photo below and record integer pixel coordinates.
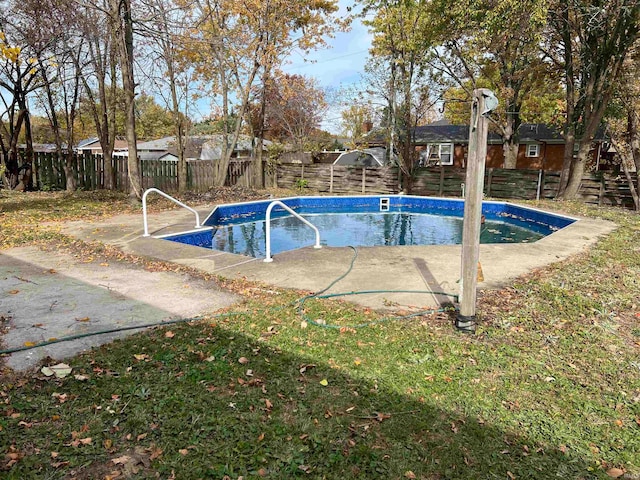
(442, 132)
(212, 148)
(202, 147)
(161, 144)
(150, 155)
(93, 144)
(86, 142)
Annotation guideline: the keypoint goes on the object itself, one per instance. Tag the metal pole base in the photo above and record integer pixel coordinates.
(466, 324)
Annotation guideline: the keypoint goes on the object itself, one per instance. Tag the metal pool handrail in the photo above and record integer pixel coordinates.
(169, 197)
(292, 212)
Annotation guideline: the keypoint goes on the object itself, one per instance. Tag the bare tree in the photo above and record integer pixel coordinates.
(121, 22)
(589, 40)
(58, 70)
(99, 74)
(166, 29)
(19, 77)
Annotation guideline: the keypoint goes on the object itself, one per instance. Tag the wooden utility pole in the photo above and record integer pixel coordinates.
(484, 101)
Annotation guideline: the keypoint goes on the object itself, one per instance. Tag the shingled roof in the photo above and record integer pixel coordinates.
(446, 133)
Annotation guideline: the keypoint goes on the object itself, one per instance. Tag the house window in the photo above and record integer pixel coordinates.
(533, 150)
(437, 154)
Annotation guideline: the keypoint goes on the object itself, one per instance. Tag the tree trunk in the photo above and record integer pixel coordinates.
(258, 177)
(178, 124)
(632, 187)
(577, 171)
(69, 171)
(510, 150)
(26, 178)
(569, 144)
(13, 160)
(124, 38)
(511, 142)
(634, 141)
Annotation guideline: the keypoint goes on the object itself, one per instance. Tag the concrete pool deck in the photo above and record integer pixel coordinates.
(435, 268)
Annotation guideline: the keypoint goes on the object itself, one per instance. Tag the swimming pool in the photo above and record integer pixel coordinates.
(388, 220)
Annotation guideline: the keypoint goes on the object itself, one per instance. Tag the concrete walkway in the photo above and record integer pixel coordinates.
(52, 295)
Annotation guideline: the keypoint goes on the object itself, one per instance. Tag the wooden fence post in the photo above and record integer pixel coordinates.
(331, 179)
(602, 189)
(302, 171)
(364, 178)
(441, 187)
(539, 189)
(489, 179)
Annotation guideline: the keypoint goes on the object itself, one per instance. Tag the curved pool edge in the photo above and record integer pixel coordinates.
(375, 268)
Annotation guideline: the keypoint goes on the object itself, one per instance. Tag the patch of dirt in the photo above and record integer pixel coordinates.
(225, 195)
(122, 465)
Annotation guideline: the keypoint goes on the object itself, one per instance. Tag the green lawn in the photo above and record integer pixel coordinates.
(549, 387)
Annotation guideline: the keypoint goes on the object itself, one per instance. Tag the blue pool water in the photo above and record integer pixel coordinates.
(359, 221)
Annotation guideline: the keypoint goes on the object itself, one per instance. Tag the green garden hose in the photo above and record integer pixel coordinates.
(300, 308)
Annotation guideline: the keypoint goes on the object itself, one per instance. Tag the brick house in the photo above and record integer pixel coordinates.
(541, 146)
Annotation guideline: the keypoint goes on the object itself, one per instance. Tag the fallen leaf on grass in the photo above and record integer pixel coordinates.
(121, 460)
(243, 360)
(324, 382)
(382, 416)
(60, 370)
(169, 334)
(14, 292)
(615, 472)
(155, 453)
(142, 356)
(183, 451)
(81, 441)
(81, 378)
(12, 458)
(409, 474)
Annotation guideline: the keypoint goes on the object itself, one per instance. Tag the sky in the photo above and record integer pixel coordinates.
(339, 64)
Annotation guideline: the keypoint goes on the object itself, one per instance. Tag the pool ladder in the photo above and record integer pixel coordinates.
(169, 197)
(292, 212)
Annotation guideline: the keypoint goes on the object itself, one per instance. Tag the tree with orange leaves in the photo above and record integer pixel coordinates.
(237, 42)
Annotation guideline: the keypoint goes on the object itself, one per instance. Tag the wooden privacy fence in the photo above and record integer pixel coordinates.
(597, 188)
(89, 173)
(338, 178)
